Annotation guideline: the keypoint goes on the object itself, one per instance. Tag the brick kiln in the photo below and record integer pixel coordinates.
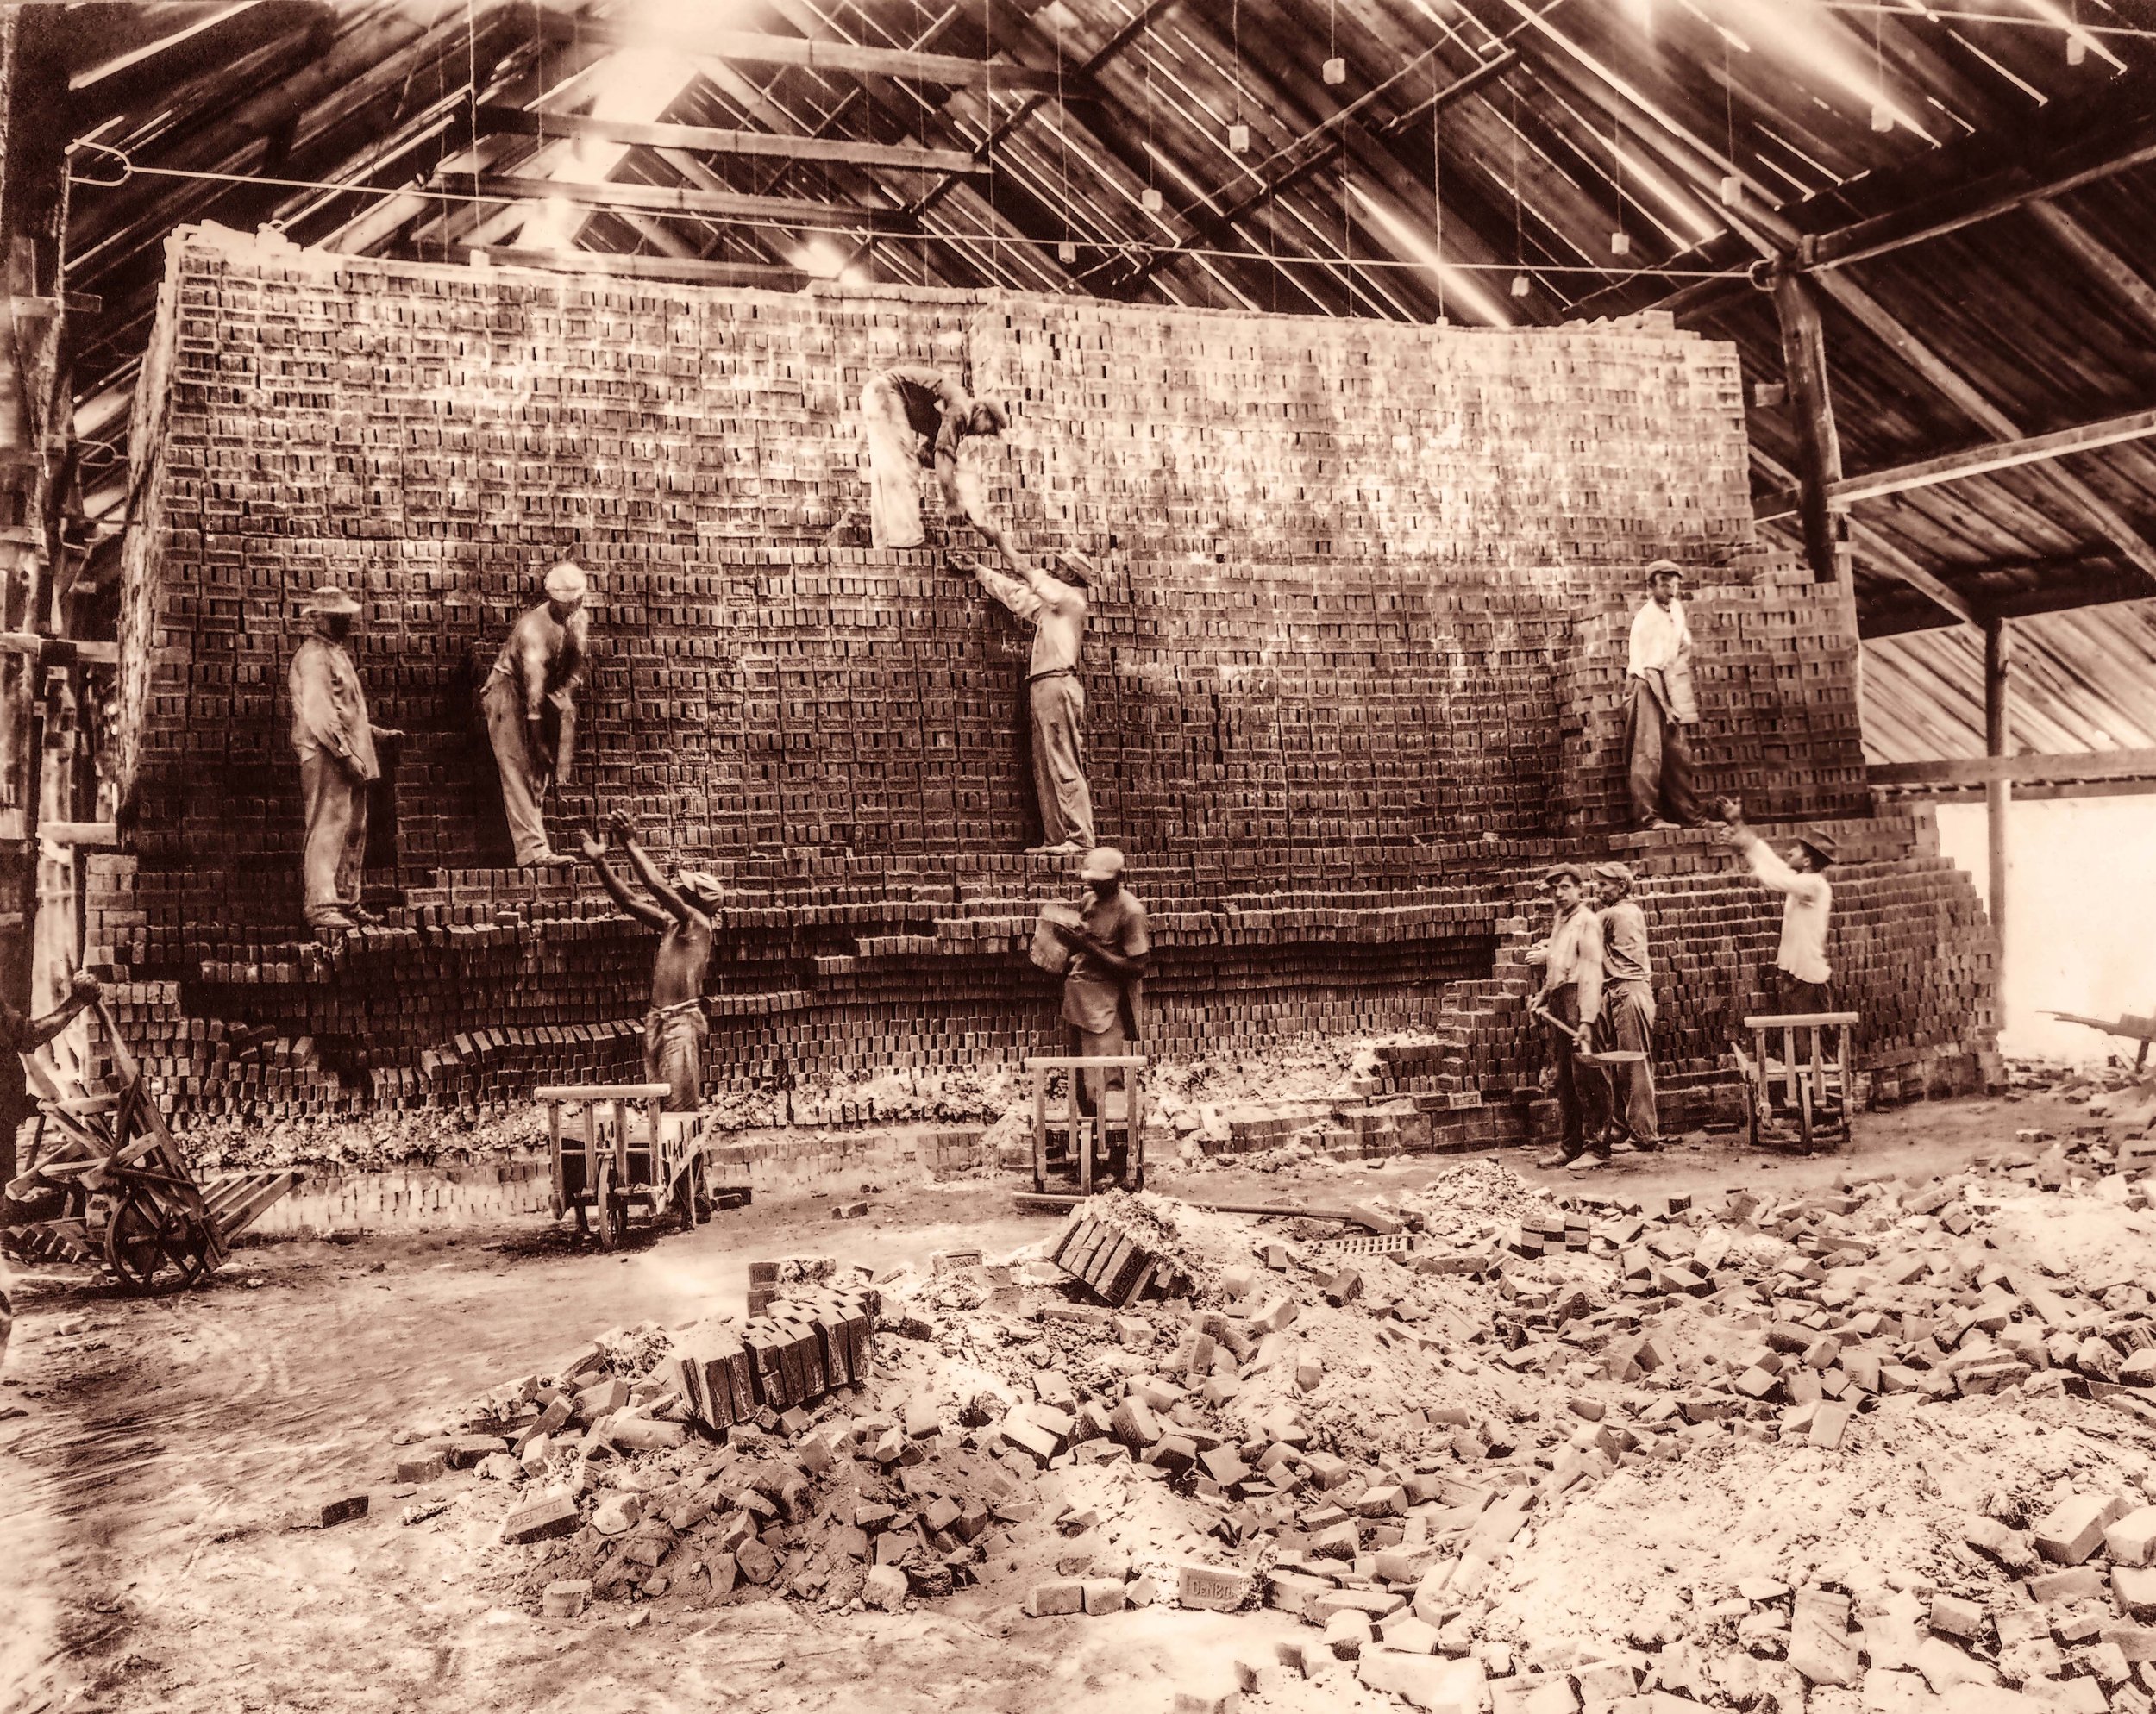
(1354, 673)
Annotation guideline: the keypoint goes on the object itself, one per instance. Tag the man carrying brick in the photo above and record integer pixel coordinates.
(675, 1029)
(915, 418)
(1659, 672)
(530, 702)
(335, 743)
(1627, 1020)
(1104, 987)
(1055, 607)
(1571, 992)
(1800, 971)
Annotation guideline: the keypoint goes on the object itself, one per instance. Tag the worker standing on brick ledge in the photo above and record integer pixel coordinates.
(1801, 973)
(335, 746)
(1627, 1021)
(675, 1029)
(534, 679)
(1104, 987)
(1055, 607)
(915, 418)
(1571, 992)
(1658, 671)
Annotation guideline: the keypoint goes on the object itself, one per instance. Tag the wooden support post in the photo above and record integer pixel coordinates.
(1811, 406)
(1997, 793)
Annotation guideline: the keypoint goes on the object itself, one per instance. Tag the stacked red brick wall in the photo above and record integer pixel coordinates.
(1356, 648)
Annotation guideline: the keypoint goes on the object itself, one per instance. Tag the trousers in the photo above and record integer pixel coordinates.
(334, 852)
(1582, 1089)
(673, 1054)
(1628, 1023)
(1099, 1044)
(895, 469)
(1658, 768)
(1059, 757)
(521, 790)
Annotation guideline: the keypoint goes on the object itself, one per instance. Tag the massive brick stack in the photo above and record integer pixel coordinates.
(1353, 662)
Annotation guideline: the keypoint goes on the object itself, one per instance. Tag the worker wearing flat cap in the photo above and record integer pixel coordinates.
(1104, 987)
(1798, 980)
(335, 742)
(915, 419)
(1627, 1020)
(530, 702)
(1658, 675)
(1571, 992)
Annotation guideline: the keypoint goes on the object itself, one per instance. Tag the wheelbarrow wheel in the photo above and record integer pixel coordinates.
(691, 1201)
(150, 1246)
(610, 1209)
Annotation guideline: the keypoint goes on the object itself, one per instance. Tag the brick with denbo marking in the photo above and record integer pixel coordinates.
(1219, 1588)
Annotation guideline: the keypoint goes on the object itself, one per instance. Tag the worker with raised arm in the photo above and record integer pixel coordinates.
(1055, 606)
(1800, 974)
(915, 418)
(675, 1029)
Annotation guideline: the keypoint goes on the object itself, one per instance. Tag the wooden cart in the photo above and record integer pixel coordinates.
(619, 1149)
(1799, 1073)
(128, 1188)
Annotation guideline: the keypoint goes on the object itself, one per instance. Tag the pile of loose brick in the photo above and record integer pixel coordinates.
(1341, 693)
(1533, 1349)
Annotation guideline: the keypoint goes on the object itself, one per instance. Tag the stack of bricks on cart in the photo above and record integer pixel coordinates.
(1354, 672)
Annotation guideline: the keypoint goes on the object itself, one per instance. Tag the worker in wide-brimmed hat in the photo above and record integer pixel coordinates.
(1104, 986)
(336, 744)
(1054, 600)
(1658, 675)
(1627, 1020)
(1571, 992)
(530, 702)
(675, 1028)
(1798, 982)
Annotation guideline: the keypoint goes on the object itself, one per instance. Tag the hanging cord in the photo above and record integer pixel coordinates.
(1437, 180)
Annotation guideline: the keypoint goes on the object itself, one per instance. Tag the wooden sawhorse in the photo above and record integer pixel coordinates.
(1133, 1066)
(1808, 1084)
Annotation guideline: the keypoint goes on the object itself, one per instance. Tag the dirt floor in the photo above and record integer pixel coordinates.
(154, 1456)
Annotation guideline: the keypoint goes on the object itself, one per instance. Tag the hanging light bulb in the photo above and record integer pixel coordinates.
(2077, 49)
(1621, 244)
(1882, 116)
(1336, 71)
(1239, 139)
(1148, 199)
(1520, 285)
(1732, 190)
(1066, 253)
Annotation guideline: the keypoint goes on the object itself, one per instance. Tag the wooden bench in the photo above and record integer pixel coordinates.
(1132, 1089)
(1810, 1083)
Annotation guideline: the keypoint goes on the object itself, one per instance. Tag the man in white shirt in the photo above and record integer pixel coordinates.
(1572, 961)
(1800, 969)
(1658, 673)
(1055, 606)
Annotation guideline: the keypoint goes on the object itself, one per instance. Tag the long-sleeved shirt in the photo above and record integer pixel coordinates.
(1659, 635)
(329, 707)
(935, 408)
(1576, 956)
(544, 659)
(1808, 903)
(1058, 617)
(1624, 943)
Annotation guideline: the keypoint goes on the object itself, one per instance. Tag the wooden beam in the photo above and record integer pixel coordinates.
(2099, 258)
(671, 199)
(1818, 448)
(2049, 176)
(2042, 770)
(1949, 381)
(1878, 551)
(1998, 793)
(691, 269)
(706, 139)
(821, 54)
(86, 835)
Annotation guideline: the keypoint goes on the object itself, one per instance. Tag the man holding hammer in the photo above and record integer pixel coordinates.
(1569, 1004)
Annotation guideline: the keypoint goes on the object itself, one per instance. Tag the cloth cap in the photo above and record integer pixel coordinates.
(1561, 872)
(996, 414)
(567, 582)
(1618, 872)
(1103, 863)
(330, 599)
(1664, 568)
(701, 882)
(1822, 844)
(1073, 567)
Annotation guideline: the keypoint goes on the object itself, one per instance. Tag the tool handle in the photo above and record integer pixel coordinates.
(1579, 1037)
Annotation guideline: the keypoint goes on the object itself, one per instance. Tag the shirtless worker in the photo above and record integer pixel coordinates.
(674, 1029)
(915, 418)
(1055, 606)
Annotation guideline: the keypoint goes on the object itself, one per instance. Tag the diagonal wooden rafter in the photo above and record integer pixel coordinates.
(1949, 381)
(1878, 551)
(710, 139)
(2099, 258)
